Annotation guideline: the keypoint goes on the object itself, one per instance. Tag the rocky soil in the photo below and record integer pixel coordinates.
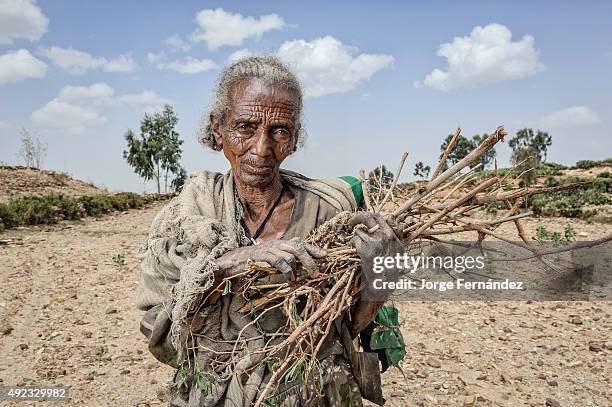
(67, 317)
(22, 181)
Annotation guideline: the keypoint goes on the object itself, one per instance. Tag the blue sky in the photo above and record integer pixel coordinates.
(379, 78)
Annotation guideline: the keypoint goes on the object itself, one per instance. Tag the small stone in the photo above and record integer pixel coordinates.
(5, 328)
(23, 346)
(540, 362)
(125, 371)
(583, 234)
(575, 320)
(550, 402)
(469, 400)
(433, 362)
(608, 345)
(552, 383)
(111, 310)
(541, 376)
(595, 347)
(575, 363)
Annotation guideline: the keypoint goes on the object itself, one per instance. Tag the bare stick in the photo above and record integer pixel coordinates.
(523, 192)
(575, 246)
(485, 146)
(447, 152)
(467, 228)
(452, 206)
(366, 190)
(394, 183)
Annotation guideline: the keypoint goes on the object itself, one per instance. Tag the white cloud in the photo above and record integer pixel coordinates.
(71, 60)
(77, 108)
(178, 43)
(238, 55)
(5, 125)
(144, 98)
(97, 94)
(188, 65)
(19, 65)
(219, 28)
(122, 63)
(21, 19)
(153, 57)
(77, 62)
(572, 116)
(326, 65)
(487, 55)
(63, 116)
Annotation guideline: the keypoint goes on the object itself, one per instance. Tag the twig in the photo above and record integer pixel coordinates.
(447, 152)
(366, 190)
(394, 183)
(485, 146)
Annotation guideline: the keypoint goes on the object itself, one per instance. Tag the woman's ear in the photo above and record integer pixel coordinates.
(215, 127)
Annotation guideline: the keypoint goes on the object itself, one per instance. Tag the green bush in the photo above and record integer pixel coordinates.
(96, 205)
(605, 174)
(549, 169)
(569, 235)
(569, 203)
(126, 200)
(586, 164)
(49, 209)
(7, 216)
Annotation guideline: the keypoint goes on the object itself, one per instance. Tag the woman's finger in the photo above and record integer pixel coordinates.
(363, 218)
(315, 251)
(278, 262)
(297, 249)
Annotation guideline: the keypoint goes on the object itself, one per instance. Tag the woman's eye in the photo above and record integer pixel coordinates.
(245, 128)
(281, 132)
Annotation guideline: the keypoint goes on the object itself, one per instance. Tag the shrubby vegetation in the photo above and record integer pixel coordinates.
(50, 209)
(588, 164)
(571, 203)
(568, 236)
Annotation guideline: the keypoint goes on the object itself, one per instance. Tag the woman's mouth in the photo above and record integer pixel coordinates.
(257, 169)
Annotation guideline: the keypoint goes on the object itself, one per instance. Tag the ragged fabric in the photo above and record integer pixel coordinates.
(177, 270)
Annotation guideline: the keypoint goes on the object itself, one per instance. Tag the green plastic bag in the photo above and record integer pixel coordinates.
(387, 339)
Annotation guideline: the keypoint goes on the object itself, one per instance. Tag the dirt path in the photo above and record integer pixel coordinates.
(67, 317)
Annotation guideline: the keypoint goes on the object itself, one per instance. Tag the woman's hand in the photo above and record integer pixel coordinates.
(380, 241)
(284, 255)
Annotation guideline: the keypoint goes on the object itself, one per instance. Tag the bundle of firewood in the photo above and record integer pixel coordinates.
(443, 205)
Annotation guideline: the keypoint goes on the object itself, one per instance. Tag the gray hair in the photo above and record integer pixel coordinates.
(268, 68)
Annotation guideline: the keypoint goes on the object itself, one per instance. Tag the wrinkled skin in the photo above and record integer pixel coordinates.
(382, 241)
(257, 133)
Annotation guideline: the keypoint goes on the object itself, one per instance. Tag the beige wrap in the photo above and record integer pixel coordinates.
(178, 266)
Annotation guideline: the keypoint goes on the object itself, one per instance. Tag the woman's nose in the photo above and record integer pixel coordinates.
(263, 143)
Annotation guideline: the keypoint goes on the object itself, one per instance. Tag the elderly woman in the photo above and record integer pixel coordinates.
(255, 211)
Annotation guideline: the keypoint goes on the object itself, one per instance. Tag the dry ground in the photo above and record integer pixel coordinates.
(67, 317)
(22, 181)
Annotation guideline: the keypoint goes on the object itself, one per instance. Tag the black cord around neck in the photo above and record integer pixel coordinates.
(262, 225)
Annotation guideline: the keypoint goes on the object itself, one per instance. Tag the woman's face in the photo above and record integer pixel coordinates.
(259, 131)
